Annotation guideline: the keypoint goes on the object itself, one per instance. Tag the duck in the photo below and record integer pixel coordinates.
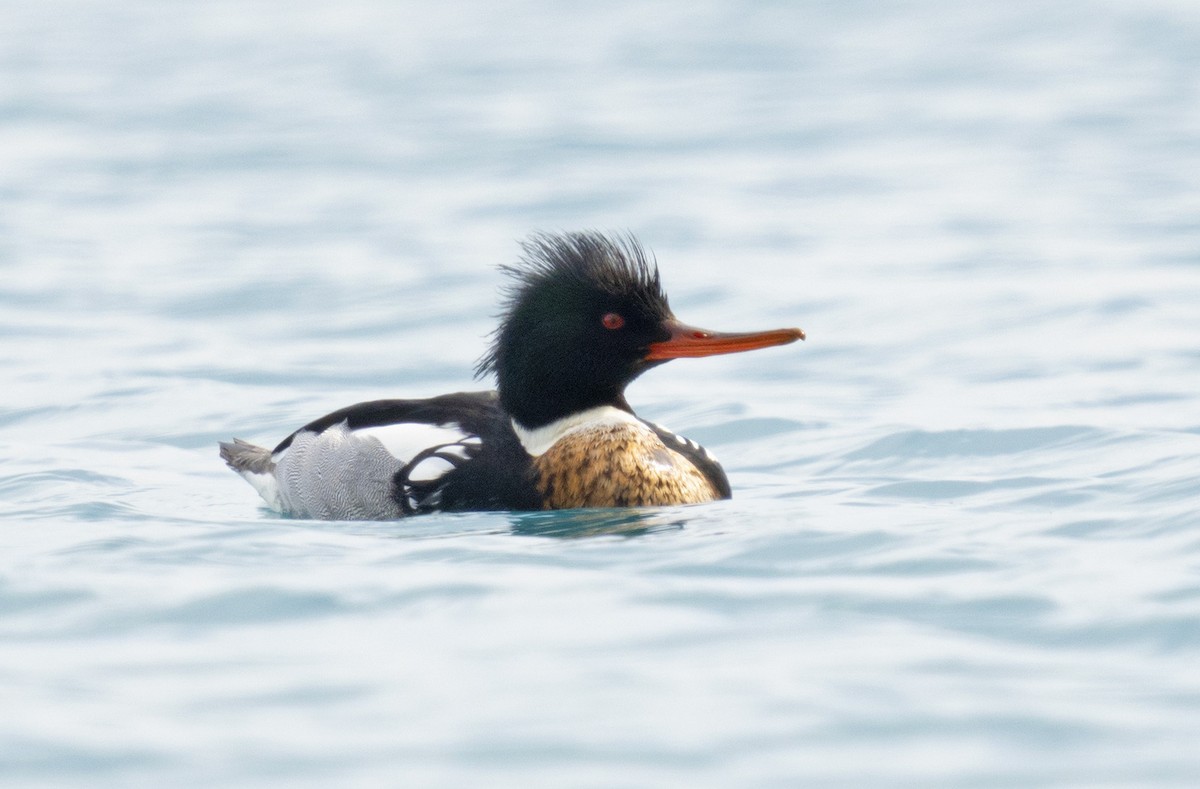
(584, 315)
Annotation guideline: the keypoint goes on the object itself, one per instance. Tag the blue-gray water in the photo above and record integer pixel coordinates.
(964, 545)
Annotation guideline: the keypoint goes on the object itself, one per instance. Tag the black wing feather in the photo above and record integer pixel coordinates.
(698, 456)
(491, 475)
(473, 412)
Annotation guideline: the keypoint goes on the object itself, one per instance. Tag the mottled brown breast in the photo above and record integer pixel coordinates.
(617, 465)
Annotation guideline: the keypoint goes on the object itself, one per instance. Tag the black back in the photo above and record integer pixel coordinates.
(474, 412)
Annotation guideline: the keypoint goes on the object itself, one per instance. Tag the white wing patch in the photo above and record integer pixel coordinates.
(406, 440)
(426, 454)
(430, 468)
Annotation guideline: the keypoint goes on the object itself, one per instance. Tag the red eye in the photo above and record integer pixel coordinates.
(612, 320)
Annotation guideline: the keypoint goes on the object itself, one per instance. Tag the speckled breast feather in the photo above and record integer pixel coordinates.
(622, 464)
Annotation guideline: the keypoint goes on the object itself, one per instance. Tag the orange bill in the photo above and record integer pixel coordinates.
(688, 341)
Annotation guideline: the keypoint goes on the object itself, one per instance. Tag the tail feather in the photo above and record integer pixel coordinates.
(255, 465)
(242, 456)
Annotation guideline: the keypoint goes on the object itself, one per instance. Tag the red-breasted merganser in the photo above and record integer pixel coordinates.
(586, 314)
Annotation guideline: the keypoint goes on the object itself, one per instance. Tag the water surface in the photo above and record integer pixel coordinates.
(963, 545)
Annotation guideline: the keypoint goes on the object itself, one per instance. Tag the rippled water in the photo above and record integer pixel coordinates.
(963, 548)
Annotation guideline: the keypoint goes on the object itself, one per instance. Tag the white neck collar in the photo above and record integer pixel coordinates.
(537, 440)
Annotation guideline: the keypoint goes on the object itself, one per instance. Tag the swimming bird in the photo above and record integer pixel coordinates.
(585, 315)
